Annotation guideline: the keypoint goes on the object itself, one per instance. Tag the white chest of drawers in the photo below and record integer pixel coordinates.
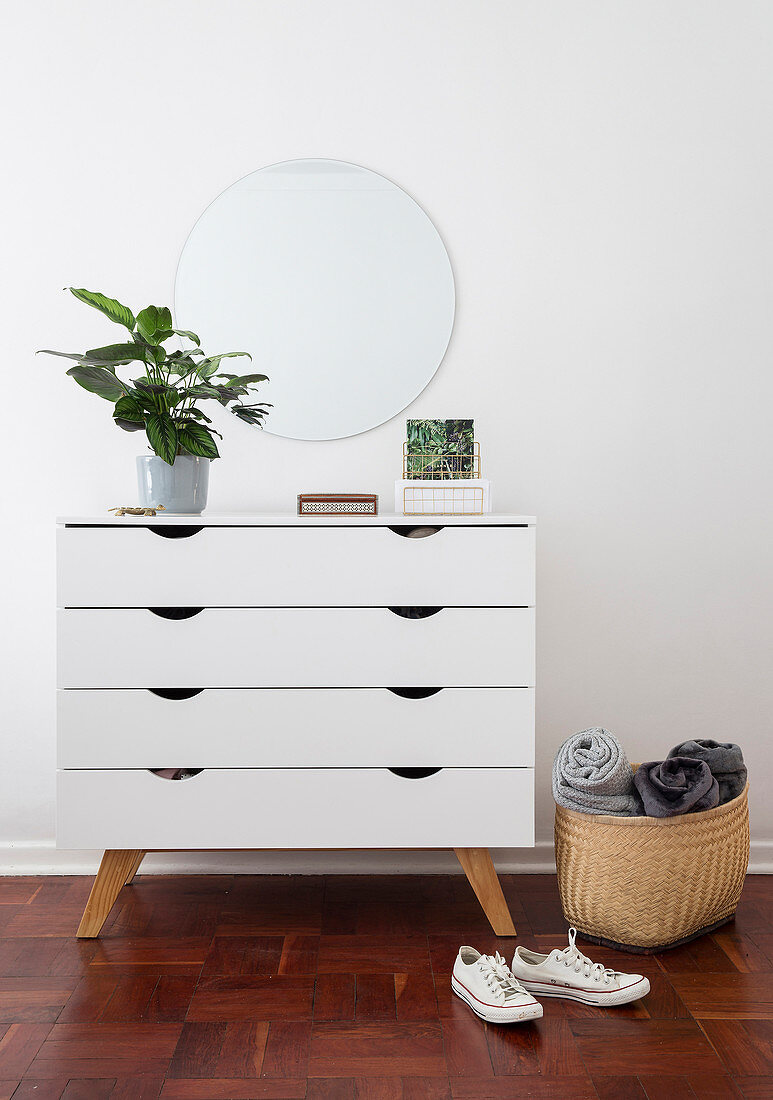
(335, 682)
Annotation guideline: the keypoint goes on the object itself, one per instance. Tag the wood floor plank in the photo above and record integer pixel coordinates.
(466, 1049)
(90, 998)
(287, 1049)
(529, 1088)
(426, 1088)
(19, 1045)
(372, 954)
(170, 999)
(299, 955)
(19, 891)
(745, 954)
(243, 1050)
(756, 1088)
(378, 1088)
(415, 996)
(151, 951)
(631, 1047)
(512, 1049)
(105, 1050)
(376, 1050)
(375, 997)
(708, 1087)
(137, 1088)
(334, 997)
(619, 1088)
(251, 998)
(33, 1000)
(556, 1049)
(237, 1089)
(745, 1046)
(330, 1088)
(198, 1050)
(89, 1089)
(32, 1089)
(667, 1088)
(737, 996)
(131, 998)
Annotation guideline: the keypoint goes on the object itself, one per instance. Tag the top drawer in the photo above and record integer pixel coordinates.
(295, 567)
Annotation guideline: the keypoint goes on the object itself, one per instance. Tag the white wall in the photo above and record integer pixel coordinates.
(602, 175)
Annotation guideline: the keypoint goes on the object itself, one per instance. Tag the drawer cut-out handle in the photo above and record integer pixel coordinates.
(175, 773)
(414, 693)
(176, 531)
(415, 612)
(414, 773)
(175, 693)
(175, 612)
(409, 531)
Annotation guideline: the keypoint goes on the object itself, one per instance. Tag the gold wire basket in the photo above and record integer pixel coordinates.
(431, 466)
(443, 499)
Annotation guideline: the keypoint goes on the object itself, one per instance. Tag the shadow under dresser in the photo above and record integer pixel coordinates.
(321, 682)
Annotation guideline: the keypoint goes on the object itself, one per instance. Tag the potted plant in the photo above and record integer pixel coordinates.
(164, 400)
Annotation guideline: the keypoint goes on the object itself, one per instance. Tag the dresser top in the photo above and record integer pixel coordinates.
(291, 519)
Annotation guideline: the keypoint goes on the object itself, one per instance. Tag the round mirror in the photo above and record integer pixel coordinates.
(335, 281)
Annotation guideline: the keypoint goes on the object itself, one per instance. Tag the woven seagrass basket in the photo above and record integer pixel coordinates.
(647, 883)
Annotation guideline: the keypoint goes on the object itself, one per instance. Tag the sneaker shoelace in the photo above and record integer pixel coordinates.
(499, 977)
(572, 956)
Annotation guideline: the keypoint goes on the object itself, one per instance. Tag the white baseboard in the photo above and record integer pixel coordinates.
(44, 859)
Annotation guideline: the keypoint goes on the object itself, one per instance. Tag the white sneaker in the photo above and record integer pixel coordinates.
(486, 984)
(571, 974)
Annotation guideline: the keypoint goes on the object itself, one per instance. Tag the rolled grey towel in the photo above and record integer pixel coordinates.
(591, 775)
(677, 785)
(725, 761)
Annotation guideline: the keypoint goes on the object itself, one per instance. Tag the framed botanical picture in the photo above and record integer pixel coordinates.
(440, 449)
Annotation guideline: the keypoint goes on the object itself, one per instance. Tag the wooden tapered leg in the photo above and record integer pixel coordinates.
(135, 868)
(481, 875)
(114, 870)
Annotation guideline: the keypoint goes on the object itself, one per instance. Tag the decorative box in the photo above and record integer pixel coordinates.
(337, 504)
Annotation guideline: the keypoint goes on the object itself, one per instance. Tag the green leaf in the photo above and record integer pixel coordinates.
(153, 320)
(198, 414)
(244, 379)
(203, 392)
(115, 353)
(147, 386)
(98, 380)
(162, 436)
(156, 354)
(164, 334)
(111, 308)
(88, 358)
(207, 367)
(129, 425)
(196, 440)
(182, 367)
(129, 408)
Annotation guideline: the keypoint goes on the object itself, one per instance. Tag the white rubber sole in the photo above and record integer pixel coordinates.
(497, 1015)
(585, 997)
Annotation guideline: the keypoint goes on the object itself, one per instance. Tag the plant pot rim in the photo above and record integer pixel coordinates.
(200, 458)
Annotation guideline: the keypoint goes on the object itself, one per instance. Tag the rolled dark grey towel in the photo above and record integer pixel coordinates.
(725, 761)
(591, 775)
(677, 785)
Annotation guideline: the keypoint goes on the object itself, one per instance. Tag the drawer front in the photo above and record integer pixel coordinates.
(296, 808)
(320, 728)
(295, 567)
(296, 647)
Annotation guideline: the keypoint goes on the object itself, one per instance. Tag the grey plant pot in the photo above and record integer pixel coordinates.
(181, 488)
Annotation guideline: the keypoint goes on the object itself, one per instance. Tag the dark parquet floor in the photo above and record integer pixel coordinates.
(338, 988)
